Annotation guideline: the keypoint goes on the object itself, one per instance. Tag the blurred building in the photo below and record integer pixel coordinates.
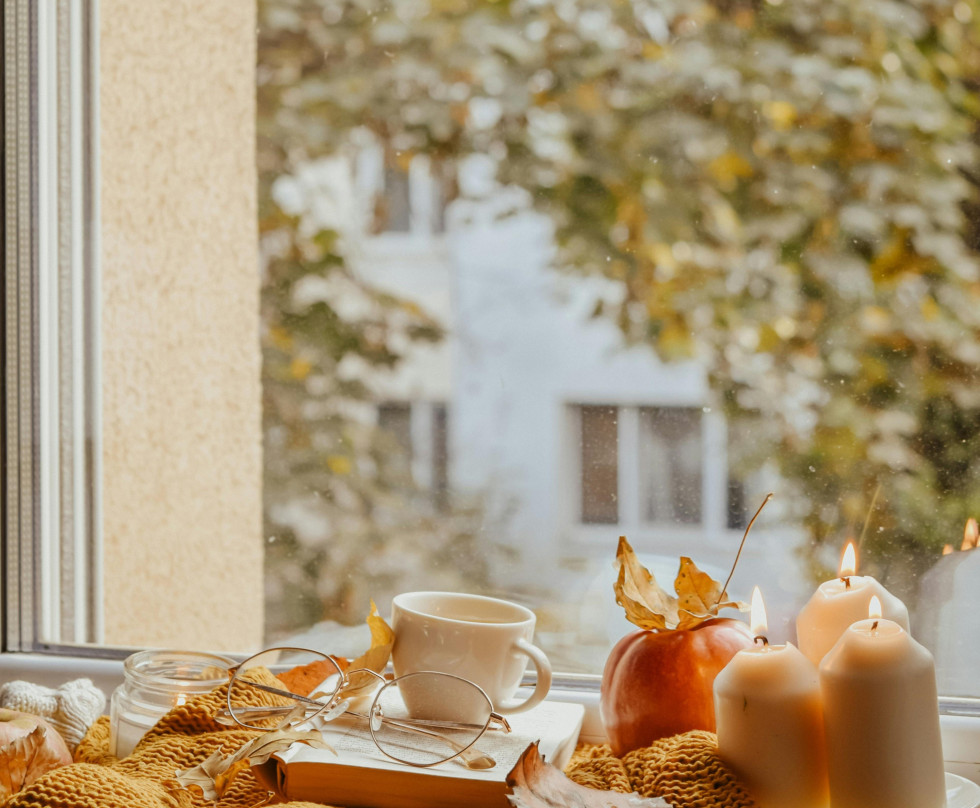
(569, 437)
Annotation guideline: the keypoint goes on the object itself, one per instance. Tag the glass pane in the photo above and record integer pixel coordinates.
(765, 216)
(600, 464)
(670, 464)
(395, 203)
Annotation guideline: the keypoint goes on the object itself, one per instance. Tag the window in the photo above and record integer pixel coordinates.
(600, 464)
(670, 464)
(707, 270)
(419, 435)
(656, 457)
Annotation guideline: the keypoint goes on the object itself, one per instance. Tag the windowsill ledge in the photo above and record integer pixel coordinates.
(961, 733)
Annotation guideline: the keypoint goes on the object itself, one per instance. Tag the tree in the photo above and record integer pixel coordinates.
(779, 188)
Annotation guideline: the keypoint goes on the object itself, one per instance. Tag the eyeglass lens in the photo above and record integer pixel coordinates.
(425, 718)
(282, 685)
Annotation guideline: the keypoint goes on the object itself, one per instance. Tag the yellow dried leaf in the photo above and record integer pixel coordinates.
(649, 606)
(646, 603)
(382, 640)
(699, 595)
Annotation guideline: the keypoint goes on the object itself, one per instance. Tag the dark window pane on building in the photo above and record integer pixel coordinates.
(600, 465)
(670, 464)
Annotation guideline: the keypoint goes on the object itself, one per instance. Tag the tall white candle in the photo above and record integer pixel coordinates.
(839, 603)
(881, 714)
(769, 721)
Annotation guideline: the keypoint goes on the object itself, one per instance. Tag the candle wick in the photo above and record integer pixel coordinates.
(874, 626)
(847, 582)
(763, 640)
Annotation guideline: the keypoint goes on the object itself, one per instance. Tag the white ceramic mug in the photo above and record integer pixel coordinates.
(485, 640)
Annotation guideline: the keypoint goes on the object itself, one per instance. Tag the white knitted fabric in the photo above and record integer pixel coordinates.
(71, 709)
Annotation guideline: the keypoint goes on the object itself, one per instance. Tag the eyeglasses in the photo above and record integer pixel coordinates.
(421, 719)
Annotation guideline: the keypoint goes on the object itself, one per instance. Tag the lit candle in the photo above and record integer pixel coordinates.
(770, 722)
(881, 715)
(970, 535)
(838, 603)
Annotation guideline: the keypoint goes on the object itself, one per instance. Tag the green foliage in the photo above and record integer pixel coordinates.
(780, 188)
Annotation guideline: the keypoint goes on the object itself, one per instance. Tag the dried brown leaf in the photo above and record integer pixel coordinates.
(699, 595)
(536, 784)
(214, 775)
(650, 606)
(265, 746)
(375, 658)
(646, 603)
(204, 776)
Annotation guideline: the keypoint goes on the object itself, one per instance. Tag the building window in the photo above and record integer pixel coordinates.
(600, 465)
(642, 467)
(419, 440)
(409, 194)
(670, 451)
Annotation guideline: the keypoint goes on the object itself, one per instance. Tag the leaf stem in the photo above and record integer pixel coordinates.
(738, 555)
(867, 518)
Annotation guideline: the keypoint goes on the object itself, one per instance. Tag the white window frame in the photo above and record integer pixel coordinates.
(52, 573)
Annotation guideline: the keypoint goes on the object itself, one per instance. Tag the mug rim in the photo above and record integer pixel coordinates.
(398, 600)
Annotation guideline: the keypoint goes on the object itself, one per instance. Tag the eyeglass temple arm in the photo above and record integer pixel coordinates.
(287, 694)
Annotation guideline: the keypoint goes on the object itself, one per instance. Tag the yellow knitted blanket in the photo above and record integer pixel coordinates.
(684, 770)
(183, 738)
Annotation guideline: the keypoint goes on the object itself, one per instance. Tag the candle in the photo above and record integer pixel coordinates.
(840, 602)
(881, 715)
(769, 722)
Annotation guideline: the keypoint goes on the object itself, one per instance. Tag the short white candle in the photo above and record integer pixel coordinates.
(838, 604)
(769, 721)
(881, 714)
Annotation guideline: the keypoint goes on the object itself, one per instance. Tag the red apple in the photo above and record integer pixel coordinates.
(659, 683)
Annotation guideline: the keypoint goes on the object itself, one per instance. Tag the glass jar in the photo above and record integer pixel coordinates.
(154, 683)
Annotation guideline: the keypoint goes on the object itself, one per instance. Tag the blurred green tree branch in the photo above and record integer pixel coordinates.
(779, 189)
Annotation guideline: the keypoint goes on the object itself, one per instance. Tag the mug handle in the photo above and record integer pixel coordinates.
(542, 687)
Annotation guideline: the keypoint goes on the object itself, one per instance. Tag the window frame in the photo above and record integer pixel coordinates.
(51, 439)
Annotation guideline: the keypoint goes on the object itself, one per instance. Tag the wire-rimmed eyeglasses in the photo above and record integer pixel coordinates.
(421, 719)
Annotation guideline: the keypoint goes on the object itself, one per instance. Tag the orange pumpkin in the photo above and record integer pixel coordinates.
(659, 683)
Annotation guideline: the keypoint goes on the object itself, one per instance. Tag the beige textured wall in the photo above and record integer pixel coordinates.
(180, 330)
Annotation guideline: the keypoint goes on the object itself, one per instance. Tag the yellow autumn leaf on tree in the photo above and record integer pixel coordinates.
(300, 368)
(729, 167)
(781, 113)
(339, 464)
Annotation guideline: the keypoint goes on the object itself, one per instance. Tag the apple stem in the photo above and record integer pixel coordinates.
(738, 555)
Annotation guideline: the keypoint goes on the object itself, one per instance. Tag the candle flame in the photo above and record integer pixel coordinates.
(970, 534)
(180, 700)
(874, 608)
(947, 549)
(848, 562)
(760, 623)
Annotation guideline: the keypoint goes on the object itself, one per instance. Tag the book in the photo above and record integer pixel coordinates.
(360, 776)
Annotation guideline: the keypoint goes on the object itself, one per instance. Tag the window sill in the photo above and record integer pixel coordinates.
(961, 733)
